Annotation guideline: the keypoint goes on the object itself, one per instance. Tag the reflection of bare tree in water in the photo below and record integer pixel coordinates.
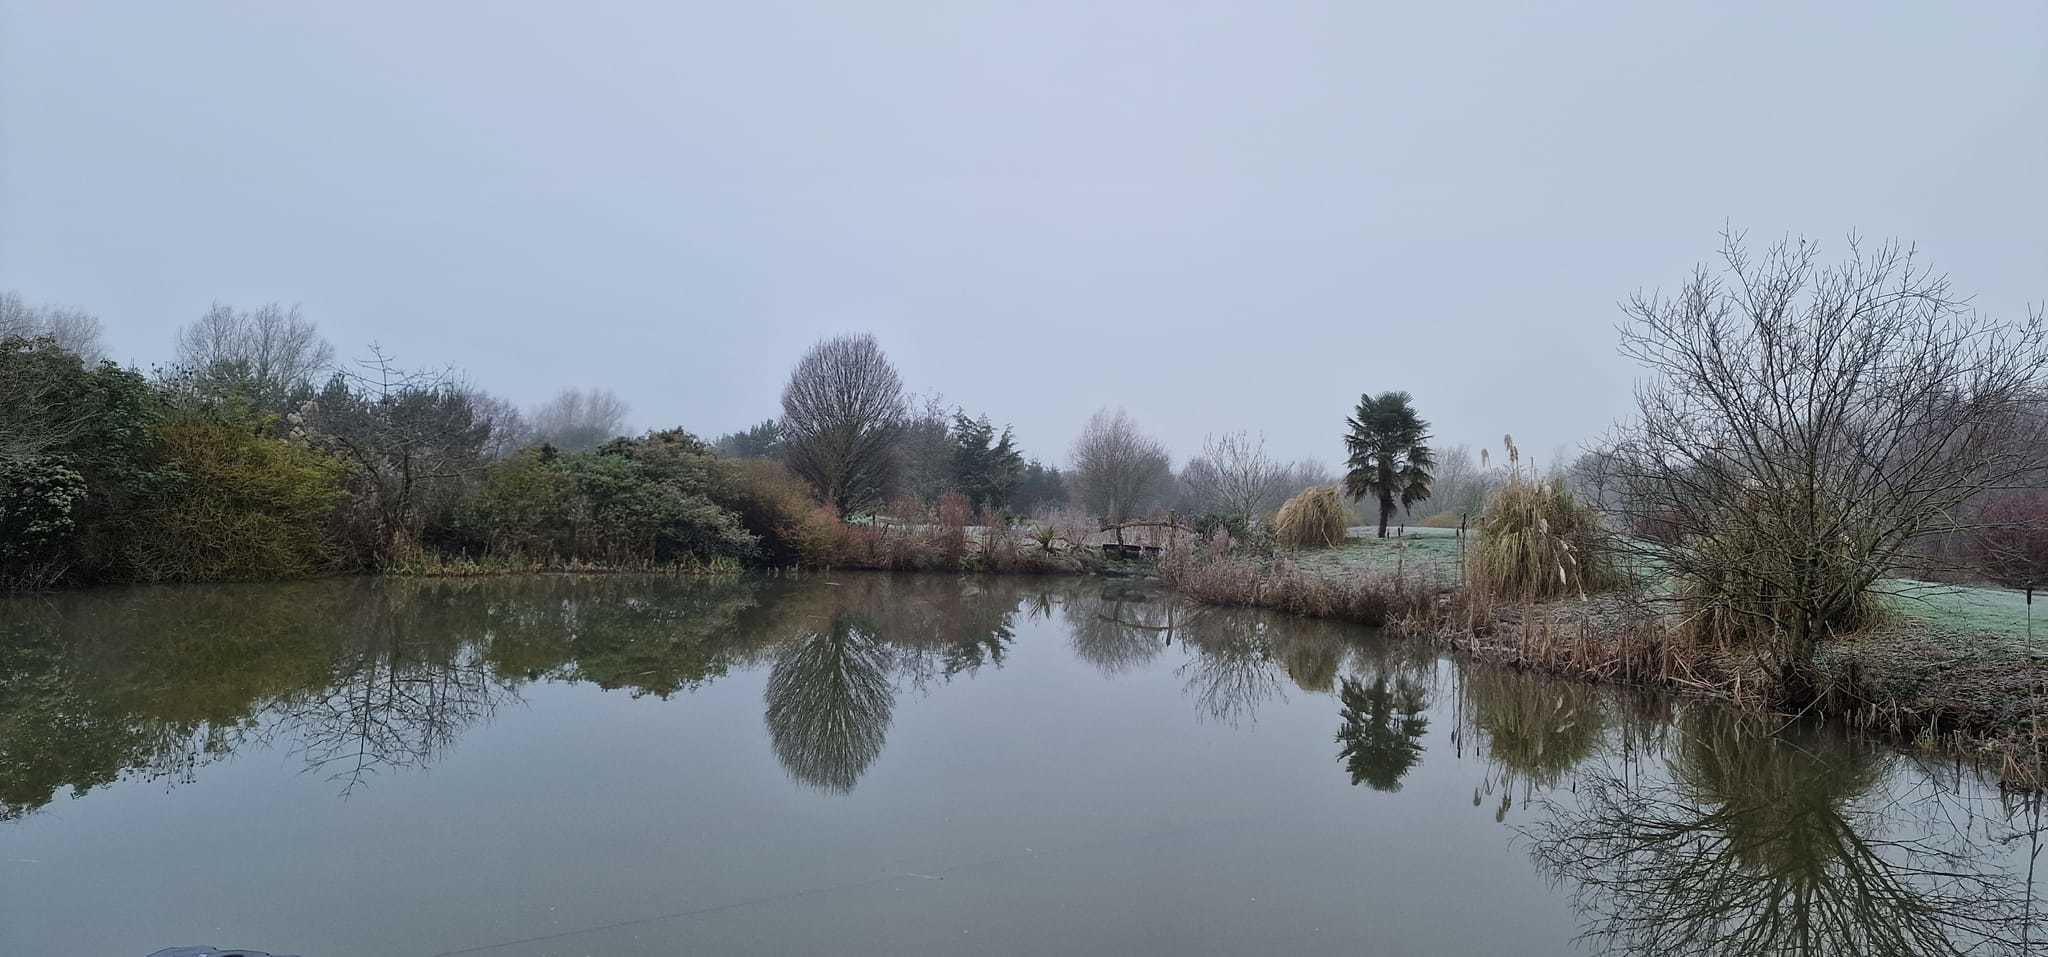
(389, 705)
(1755, 845)
(1233, 672)
(1382, 729)
(1239, 658)
(1117, 631)
(829, 702)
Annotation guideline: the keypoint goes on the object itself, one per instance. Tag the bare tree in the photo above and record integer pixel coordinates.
(1119, 472)
(1235, 478)
(842, 414)
(1804, 424)
(411, 441)
(509, 429)
(75, 330)
(924, 450)
(266, 353)
(578, 420)
(1299, 476)
(1460, 486)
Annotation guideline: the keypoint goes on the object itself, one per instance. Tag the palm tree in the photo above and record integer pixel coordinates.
(1389, 453)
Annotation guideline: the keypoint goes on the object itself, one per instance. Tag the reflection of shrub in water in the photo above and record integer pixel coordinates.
(655, 636)
(829, 701)
(99, 686)
(1381, 734)
(1755, 844)
(1536, 728)
(1312, 662)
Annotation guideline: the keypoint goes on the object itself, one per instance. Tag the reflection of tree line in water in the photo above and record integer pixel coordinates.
(358, 676)
(1679, 830)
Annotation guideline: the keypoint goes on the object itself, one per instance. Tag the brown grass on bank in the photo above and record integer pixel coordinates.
(1370, 597)
(1614, 641)
(1316, 518)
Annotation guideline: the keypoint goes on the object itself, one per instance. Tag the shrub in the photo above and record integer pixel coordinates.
(1316, 518)
(523, 507)
(1209, 523)
(38, 499)
(1733, 596)
(77, 438)
(238, 505)
(1538, 541)
(660, 499)
(776, 507)
(646, 503)
(1443, 520)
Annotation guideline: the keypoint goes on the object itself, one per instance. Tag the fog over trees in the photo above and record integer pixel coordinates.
(1119, 472)
(578, 420)
(1869, 377)
(75, 330)
(265, 353)
(762, 440)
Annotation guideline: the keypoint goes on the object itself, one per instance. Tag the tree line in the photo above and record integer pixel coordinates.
(258, 454)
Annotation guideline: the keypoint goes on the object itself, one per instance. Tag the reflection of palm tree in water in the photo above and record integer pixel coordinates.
(829, 701)
(1382, 730)
(1755, 845)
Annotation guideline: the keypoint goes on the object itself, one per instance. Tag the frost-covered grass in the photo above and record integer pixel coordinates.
(1959, 608)
(1428, 551)
(1955, 609)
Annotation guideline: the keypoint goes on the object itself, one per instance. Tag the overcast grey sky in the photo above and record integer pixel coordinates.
(1220, 216)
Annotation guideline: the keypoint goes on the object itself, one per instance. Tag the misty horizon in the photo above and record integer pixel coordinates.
(1219, 220)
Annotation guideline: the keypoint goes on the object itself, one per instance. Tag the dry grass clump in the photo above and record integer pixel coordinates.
(1537, 541)
(1730, 588)
(1316, 518)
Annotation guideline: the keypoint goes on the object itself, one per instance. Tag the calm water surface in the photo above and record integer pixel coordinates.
(868, 764)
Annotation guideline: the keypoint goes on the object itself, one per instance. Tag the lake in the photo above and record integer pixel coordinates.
(876, 764)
